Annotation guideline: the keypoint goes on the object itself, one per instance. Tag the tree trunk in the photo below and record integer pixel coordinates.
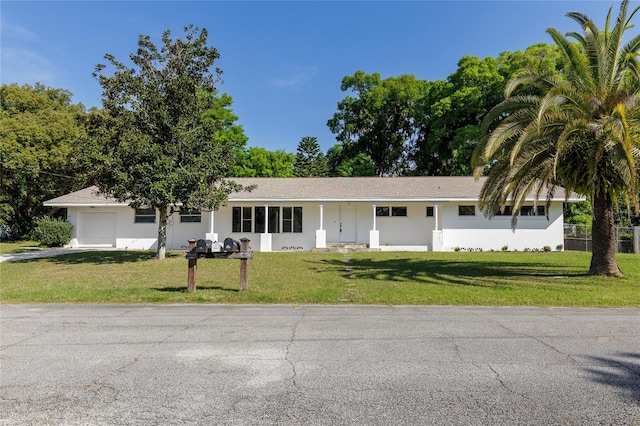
(162, 234)
(603, 238)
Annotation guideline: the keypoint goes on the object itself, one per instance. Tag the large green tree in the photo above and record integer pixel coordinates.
(378, 120)
(342, 162)
(165, 137)
(310, 161)
(577, 130)
(408, 126)
(260, 162)
(450, 115)
(39, 151)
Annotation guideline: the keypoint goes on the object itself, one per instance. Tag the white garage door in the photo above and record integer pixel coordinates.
(97, 229)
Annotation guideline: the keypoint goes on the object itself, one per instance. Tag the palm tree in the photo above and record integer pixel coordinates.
(578, 129)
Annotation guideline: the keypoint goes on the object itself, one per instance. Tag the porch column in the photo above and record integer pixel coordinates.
(265, 238)
(437, 238)
(321, 234)
(374, 235)
(211, 235)
(435, 215)
(374, 217)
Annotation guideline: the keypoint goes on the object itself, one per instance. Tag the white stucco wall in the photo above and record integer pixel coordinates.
(136, 236)
(477, 232)
(413, 231)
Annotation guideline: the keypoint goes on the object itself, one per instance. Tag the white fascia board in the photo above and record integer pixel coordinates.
(113, 204)
(340, 200)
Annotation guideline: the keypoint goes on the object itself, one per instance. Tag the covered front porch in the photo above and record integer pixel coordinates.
(381, 226)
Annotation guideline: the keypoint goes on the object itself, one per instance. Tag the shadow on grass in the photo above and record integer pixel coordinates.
(106, 257)
(198, 288)
(622, 372)
(456, 272)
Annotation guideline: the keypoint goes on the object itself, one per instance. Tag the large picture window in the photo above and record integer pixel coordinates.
(292, 219)
(274, 220)
(145, 215)
(259, 228)
(289, 219)
(241, 219)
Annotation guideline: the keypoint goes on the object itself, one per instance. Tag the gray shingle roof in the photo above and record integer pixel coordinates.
(423, 188)
(84, 197)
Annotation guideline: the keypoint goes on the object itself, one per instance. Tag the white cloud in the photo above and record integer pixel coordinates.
(298, 78)
(12, 30)
(25, 66)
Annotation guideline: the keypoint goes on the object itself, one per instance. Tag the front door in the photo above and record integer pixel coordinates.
(347, 224)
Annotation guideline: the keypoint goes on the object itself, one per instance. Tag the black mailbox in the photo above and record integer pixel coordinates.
(203, 246)
(231, 245)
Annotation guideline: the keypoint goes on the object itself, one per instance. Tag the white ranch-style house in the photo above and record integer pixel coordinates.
(403, 213)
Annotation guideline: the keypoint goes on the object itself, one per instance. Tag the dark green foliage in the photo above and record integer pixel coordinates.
(340, 162)
(52, 232)
(407, 126)
(40, 154)
(260, 162)
(310, 161)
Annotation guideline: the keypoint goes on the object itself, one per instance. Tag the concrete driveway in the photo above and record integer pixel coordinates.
(38, 253)
(318, 365)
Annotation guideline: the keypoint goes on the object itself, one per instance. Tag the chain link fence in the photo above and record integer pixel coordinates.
(578, 237)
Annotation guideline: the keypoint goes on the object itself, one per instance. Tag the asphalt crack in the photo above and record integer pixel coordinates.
(294, 330)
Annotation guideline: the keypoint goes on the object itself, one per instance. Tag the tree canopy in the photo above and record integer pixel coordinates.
(310, 161)
(578, 130)
(165, 138)
(40, 130)
(408, 126)
(260, 162)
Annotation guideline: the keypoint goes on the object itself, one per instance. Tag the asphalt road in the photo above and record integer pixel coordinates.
(318, 365)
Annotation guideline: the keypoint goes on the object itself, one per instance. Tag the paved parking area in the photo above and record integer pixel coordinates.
(38, 253)
(318, 365)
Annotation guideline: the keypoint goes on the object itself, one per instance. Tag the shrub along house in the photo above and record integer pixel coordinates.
(404, 213)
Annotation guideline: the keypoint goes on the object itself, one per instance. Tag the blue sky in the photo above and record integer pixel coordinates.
(283, 62)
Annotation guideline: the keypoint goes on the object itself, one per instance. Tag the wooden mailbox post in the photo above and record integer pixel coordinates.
(244, 255)
(193, 265)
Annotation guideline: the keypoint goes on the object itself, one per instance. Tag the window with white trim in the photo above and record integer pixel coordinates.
(532, 211)
(145, 215)
(382, 211)
(506, 212)
(466, 210)
(280, 219)
(241, 219)
(190, 216)
(292, 219)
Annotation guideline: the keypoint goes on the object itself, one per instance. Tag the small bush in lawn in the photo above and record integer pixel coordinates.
(53, 232)
(546, 248)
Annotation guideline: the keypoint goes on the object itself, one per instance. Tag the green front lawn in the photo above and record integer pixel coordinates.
(17, 246)
(393, 278)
